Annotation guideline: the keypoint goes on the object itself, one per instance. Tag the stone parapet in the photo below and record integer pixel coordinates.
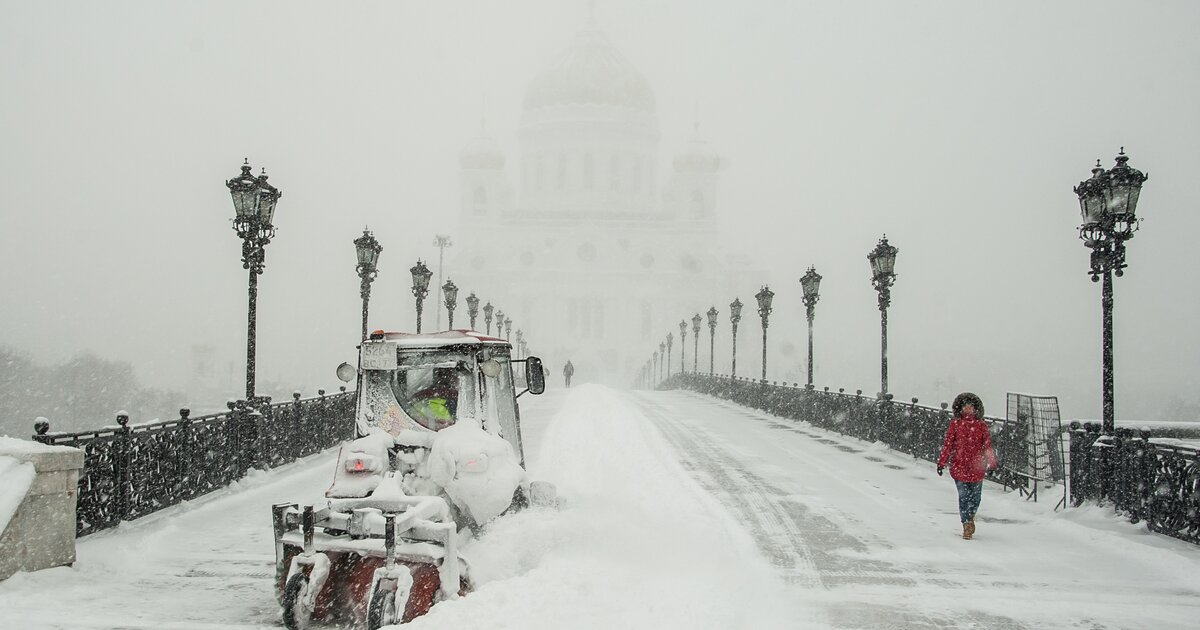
(40, 533)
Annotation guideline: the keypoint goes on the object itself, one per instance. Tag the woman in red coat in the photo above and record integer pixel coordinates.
(968, 446)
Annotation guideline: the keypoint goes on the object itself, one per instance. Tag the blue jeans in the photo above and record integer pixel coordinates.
(968, 498)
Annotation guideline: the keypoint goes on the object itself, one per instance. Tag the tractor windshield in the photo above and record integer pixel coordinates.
(434, 388)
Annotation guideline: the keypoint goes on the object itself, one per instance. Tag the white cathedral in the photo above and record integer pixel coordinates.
(590, 254)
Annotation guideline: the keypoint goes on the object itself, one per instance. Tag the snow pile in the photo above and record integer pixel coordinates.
(637, 543)
(15, 478)
(478, 469)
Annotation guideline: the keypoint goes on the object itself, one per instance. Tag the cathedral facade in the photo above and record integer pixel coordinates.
(591, 250)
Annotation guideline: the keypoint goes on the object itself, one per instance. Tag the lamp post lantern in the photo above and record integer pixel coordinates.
(499, 323)
(487, 316)
(450, 295)
(508, 329)
(764, 297)
(254, 203)
(811, 283)
(695, 341)
(883, 263)
(712, 335)
(1108, 203)
(735, 316)
(368, 256)
(420, 287)
(472, 308)
(520, 342)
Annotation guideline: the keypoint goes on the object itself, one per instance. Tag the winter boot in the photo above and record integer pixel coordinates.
(969, 529)
(966, 532)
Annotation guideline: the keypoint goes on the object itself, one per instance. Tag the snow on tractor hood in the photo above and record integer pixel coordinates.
(479, 470)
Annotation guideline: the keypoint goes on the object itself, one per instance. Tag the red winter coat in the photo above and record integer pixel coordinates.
(968, 445)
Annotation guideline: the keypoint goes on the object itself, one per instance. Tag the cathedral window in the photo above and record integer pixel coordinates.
(480, 200)
(589, 172)
(585, 316)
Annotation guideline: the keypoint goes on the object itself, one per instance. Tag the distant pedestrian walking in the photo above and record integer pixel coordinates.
(568, 372)
(968, 446)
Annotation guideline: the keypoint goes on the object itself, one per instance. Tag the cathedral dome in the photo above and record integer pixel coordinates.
(591, 71)
(482, 153)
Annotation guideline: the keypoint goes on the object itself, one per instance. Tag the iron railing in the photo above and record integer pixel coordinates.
(132, 471)
(1155, 482)
(1149, 481)
(907, 427)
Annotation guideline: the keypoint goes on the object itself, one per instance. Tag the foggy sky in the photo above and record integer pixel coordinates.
(958, 129)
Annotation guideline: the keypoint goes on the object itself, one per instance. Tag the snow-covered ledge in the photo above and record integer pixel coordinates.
(38, 486)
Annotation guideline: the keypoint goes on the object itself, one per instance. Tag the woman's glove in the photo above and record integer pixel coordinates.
(940, 470)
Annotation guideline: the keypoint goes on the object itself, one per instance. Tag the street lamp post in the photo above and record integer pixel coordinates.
(654, 377)
(508, 329)
(450, 294)
(682, 346)
(487, 316)
(254, 203)
(662, 352)
(441, 242)
(883, 263)
(472, 308)
(811, 283)
(520, 342)
(420, 287)
(735, 316)
(1108, 202)
(764, 297)
(695, 341)
(670, 342)
(712, 335)
(368, 256)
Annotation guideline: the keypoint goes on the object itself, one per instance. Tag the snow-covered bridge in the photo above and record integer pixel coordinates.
(680, 511)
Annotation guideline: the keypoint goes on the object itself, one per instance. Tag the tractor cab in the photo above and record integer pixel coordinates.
(414, 385)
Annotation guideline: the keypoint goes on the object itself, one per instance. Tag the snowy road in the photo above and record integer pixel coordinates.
(868, 537)
(680, 512)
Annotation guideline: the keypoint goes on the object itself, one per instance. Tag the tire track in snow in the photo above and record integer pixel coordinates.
(777, 532)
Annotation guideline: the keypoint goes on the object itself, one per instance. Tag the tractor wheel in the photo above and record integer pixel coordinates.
(383, 607)
(296, 613)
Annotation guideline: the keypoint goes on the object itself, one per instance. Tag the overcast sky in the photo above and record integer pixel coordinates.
(957, 128)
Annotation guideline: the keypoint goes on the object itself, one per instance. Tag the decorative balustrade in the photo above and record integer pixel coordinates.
(132, 471)
(1155, 482)
(904, 426)
(1158, 483)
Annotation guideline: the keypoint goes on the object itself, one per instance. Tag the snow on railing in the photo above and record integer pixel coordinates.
(133, 470)
(1149, 480)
